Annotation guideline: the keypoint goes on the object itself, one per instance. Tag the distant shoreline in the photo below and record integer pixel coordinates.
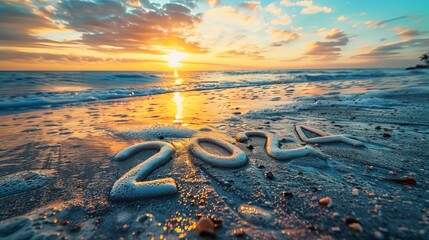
(418, 67)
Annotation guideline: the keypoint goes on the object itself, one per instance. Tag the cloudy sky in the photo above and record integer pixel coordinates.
(212, 34)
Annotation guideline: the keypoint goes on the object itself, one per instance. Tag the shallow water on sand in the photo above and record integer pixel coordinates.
(74, 145)
(30, 90)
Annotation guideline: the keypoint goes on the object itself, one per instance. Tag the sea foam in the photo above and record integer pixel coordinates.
(156, 132)
(24, 181)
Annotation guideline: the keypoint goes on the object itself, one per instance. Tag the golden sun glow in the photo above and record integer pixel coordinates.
(174, 58)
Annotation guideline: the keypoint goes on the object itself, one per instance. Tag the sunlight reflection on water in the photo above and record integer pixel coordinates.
(178, 100)
(179, 107)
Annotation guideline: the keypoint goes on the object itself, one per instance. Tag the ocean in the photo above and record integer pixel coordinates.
(27, 90)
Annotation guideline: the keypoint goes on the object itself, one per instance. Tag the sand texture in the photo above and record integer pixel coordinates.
(358, 171)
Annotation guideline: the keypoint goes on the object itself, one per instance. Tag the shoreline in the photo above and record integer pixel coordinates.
(69, 91)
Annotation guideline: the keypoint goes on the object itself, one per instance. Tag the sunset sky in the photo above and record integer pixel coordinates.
(211, 35)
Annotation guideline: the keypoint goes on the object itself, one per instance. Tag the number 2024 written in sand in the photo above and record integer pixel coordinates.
(131, 186)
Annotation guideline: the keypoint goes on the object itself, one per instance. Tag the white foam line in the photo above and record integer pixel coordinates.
(325, 137)
(131, 187)
(237, 158)
(272, 146)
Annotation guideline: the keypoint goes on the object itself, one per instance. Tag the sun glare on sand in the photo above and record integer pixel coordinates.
(174, 58)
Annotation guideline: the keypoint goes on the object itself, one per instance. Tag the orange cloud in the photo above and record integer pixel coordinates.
(282, 37)
(329, 49)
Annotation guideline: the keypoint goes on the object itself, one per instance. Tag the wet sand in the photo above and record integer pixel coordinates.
(78, 141)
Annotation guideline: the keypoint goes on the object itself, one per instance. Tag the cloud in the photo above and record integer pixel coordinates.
(335, 34)
(407, 32)
(282, 20)
(295, 59)
(212, 3)
(230, 16)
(251, 5)
(329, 49)
(282, 37)
(375, 24)
(341, 18)
(20, 17)
(272, 8)
(228, 28)
(188, 3)
(10, 55)
(18, 23)
(315, 9)
(296, 29)
(393, 49)
(288, 3)
(106, 26)
(134, 3)
(255, 54)
(147, 29)
(18, 38)
(309, 7)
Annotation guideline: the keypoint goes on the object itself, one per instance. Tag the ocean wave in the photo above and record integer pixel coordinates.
(38, 99)
(28, 90)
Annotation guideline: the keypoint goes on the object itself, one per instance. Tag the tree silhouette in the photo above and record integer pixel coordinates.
(425, 58)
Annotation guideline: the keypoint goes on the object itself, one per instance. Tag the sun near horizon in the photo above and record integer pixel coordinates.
(213, 35)
(174, 58)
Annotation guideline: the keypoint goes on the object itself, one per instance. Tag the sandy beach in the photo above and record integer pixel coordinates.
(214, 119)
(58, 168)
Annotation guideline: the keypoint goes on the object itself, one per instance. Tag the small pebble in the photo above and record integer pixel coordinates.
(378, 235)
(65, 223)
(287, 194)
(356, 227)
(269, 175)
(250, 147)
(404, 181)
(261, 166)
(205, 227)
(326, 201)
(353, 224)
(238, 232)
(355, 191)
